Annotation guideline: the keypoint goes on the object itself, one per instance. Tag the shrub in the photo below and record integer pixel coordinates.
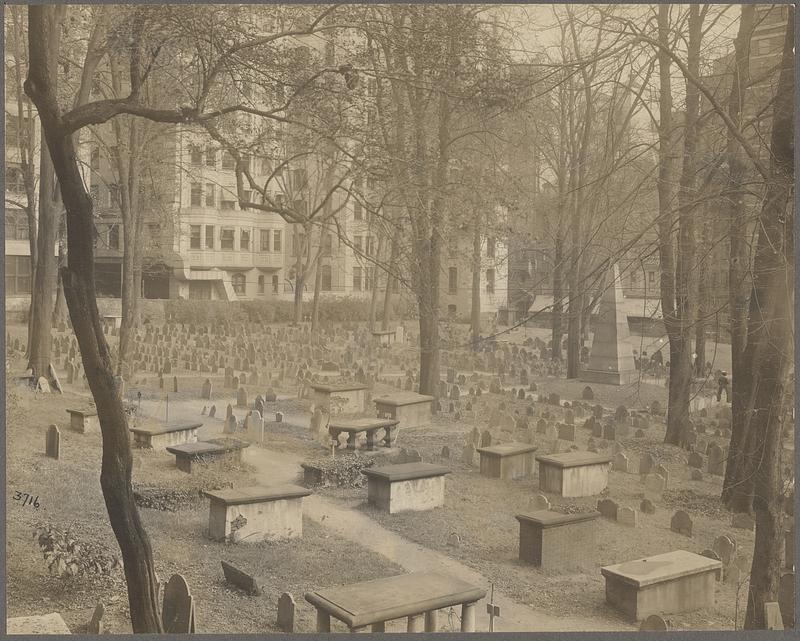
(342, 471)
(66, 557)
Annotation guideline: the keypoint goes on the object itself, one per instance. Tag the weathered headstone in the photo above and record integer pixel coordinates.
(212, 412)
(205, 392)
(620, 463)
(655, 623)
(608, 508)
(647, 507)
(52, 446)
(786, 599)
(95, 625)
(539, 502)
(628, 516)
(241, 397)
(178, 611)
(681, 523)
(286, 607)
(241, 579)
(725, 548)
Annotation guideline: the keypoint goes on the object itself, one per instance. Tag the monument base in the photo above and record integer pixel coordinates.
(609, 378)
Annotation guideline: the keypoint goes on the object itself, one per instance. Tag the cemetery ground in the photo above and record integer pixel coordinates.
(475, 528)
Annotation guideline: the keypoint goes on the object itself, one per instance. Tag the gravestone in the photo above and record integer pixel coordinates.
(240, 579)
(681, 523)
(654, 484)
(230, 425)
(486, 438)
(620, 463)
(646, 464)
(52, 446)
(608, 508)
(697, 475)
(587, 394)
(716, 460)
(241, 397)
(725, 548)
(445, 452)
(539, 502)
(212, 412)
(178, 611)
(95, 625)
(286, 607)
(655, 623)
(205, 393)
(695, 460)
(279, 417)
(773, 619)
(175, 384)
(468, 455)
(628, 516)
(647, 507)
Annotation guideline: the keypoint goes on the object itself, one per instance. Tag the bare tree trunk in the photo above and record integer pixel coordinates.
(78, 279)
(770, 348)
(390, 281)
(373, 302)
(44, 284)
(475, 313)
(315, 302)
(558, 299)
(738, 261)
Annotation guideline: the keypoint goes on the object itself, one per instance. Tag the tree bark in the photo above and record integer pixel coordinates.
(78, 279)
(373, 302)
(770, 349)
(315, 303)
(390, 281)
(738, 260)
(558, 299)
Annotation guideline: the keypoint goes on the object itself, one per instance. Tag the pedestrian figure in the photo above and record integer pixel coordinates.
(723, 385)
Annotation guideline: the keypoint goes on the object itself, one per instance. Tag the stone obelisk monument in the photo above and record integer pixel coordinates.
(611, 358)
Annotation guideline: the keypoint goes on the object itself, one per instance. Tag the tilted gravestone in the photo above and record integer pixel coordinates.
(95, 625)
(786, 599)
(628, 516)
(241, 579)
(725, 548)
(53, 442)
(212, 412)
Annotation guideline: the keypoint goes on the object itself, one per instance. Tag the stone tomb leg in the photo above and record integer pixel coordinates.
(673, 582)
(406, 487)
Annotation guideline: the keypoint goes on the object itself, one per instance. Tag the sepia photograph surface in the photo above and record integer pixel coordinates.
(399, 318)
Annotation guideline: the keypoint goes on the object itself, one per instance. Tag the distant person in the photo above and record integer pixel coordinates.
(723, 383)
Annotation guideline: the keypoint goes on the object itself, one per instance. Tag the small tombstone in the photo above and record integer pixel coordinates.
(696, 460)
(539, 502)
(647, 507)
(713, 555)
(175, 384)
(240, 579)
(716, 460)
(620, 463)
(646, 464)
(486, 438)
(229, 411)
(468, 455)
(743, 521)
(655, 623)
(95, 625)
(445, 452)
(204, 410)
(608, 508)
(286, 608)
(241, 397)
(773, 619)
(42, 385)
(697, 475)
(724, 547)
(212, 412)
(681, 523)
(230, 425)
(662, 471)
(178, 611)
(205, 392)
(279, 417)
(587, 394)
(654, 484)
(52, 447)
(628, 516)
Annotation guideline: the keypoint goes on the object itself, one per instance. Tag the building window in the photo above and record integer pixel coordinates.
(18, 275)
(327, 245)
(651, 278)
(113, 194)
(357, 279)
(451, 310)
(368, 279)
(194, 236)
(452, 247)
(264, 237)
(209, 236)
(490, 281)
(325, 278)
(247, 197)
(261, 284)
(16, 225)
(357, 244)
(298, 179)
(238, 282)
(358, 212)
(246, 162)
(276, 241)
(211, 196)
(275, 283)
(490, 243)
(197, 195)
(452, 280)
(226, 203)
(370, 242)
(197, 156)
(226, 239)
(211, 157)
(228, 163)
(113, 237)
(244, 240)
(95, 162)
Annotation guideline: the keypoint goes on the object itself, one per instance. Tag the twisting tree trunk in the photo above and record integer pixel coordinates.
(373, 301)
(78, 279)
(315, 302)
(770, 347)
(390, 281)
(738, 266)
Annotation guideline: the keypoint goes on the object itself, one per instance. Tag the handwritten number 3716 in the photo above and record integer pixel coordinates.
(28, 500)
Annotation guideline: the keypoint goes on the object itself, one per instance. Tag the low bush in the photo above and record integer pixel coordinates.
(67, 557)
